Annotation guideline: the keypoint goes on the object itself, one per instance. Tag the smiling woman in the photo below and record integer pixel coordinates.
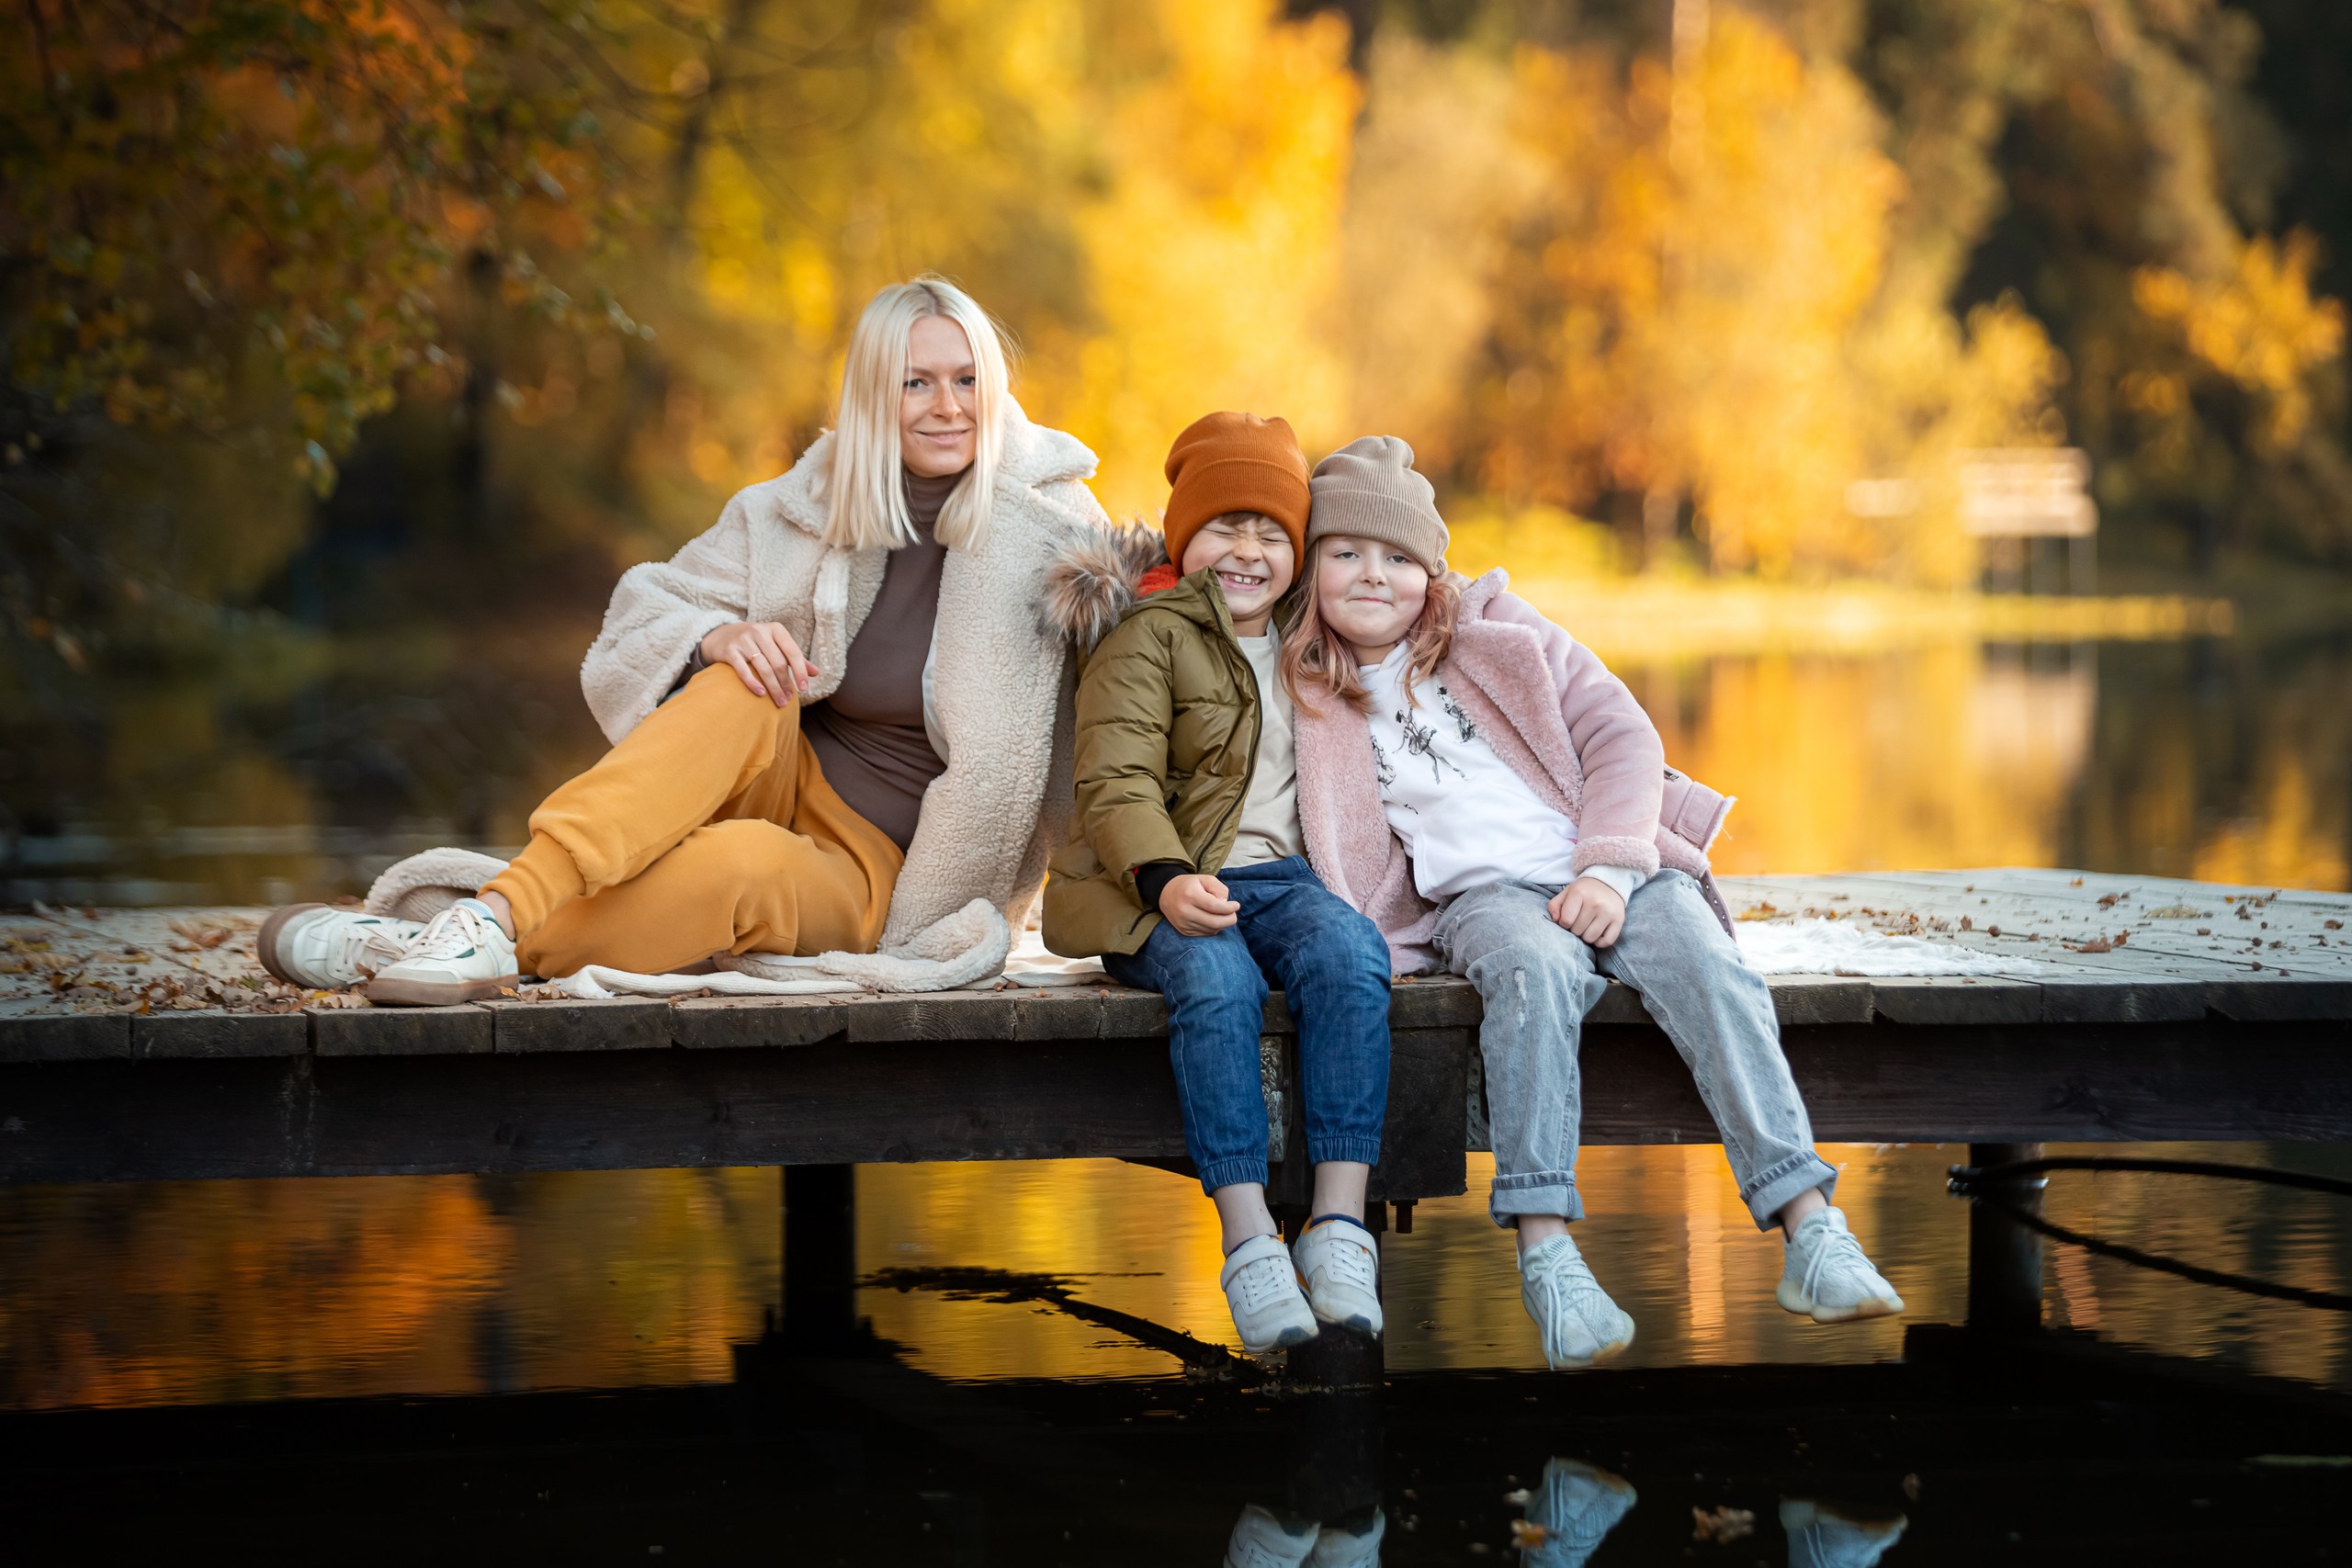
(886, 707)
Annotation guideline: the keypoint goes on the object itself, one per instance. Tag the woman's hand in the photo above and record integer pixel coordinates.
(1590, 910)
(1195, 905)
(764, 654)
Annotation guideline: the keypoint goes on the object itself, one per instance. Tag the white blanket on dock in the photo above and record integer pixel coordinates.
(1844, 947)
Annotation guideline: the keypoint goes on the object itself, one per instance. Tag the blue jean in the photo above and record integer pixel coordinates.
(1332, 966)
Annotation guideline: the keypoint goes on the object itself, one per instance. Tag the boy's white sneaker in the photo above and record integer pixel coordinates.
(460, 956)
(327, 949)
(1264, 1539)
(1822, 1537)
(1576, 1506)
(1340, 1264)
(1261, 1288)
(1578, 1323)
(1829, 1278)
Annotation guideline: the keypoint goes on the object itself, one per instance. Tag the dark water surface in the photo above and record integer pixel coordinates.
(368, 1365)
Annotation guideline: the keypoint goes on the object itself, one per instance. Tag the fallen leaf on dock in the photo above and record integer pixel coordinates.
(2175, 912)
(1757, 912)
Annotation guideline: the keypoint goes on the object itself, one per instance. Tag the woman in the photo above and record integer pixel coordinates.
(824, 710)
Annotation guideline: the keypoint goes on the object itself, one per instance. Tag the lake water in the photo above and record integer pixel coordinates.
(2228, 759)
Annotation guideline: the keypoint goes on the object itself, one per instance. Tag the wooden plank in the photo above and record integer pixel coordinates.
(2269, 998)
(65, 1037)
(737, 1023)
(634, 1024)
(400, 1032)
(1802, 1000)
(1955, 1000)
(163, 1035)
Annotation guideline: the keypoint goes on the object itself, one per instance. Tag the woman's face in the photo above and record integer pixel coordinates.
(1368, 591)
(938, 432)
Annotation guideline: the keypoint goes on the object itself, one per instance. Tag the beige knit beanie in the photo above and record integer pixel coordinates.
(1368, 490)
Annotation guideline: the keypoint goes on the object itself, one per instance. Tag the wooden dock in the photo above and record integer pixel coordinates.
(2137, 1008)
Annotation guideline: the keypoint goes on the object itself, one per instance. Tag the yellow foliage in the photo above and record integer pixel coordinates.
(2260, 326)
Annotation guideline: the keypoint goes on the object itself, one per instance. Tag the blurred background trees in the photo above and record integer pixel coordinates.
(352, 349)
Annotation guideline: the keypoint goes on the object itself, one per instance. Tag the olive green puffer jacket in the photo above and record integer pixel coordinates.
(1166, 734)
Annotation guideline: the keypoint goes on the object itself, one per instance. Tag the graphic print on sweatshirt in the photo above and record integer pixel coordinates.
(1460, 812)
(1421, 741)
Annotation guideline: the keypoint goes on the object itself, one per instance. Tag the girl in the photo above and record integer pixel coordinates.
(825, 712)
(1523, 789)
(1185, 870)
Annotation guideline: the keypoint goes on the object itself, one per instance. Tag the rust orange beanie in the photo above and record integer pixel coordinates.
(1235, 462)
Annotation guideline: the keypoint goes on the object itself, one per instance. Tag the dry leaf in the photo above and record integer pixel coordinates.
(1758, 912)
(1722, 1526)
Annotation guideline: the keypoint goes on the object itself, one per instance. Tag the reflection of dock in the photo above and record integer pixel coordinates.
(2133, 1009)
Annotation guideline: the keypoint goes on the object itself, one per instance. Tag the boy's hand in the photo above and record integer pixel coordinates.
(764, 654)
(1195, 905)
(1590, 910)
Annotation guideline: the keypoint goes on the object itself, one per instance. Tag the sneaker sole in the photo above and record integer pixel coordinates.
(1289, 1338)
(435, 993)
(266, 942)
(1606, 1353)
(1794, 1301)
(1363, 1323)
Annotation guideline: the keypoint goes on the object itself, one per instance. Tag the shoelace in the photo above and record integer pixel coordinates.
(455, 931)
(370, 947)
(1565, 1281)
(1837, 1248)
(1349, 1262)
(1261, 1280)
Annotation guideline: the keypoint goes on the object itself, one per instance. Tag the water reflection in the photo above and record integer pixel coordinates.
(206, 1292)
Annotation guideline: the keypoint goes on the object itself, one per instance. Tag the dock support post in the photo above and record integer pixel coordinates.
(819, 1255)
(2004, 1257)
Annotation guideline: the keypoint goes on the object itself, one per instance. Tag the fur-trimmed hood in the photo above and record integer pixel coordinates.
(1096, 578)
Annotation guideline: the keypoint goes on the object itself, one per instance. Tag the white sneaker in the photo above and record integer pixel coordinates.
(1340, 1264)
(1578, 1323)
(461, 956)
(1829, 1278)
(1576, 1506)
(1339, 1547)
(1822, 1537)
(327, 949)
(1262, 1539)
(1261, 1288)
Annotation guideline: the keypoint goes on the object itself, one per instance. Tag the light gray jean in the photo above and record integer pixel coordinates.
(1538, 981)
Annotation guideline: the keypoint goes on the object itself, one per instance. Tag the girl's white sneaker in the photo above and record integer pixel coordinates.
(326, 949)
(1576, 1507)
(1340, 1264)
(1829, 1278)
(460, 956)
(1264, 1539)
(1579, 1323)
(1339, 1547)
(1261, 1288)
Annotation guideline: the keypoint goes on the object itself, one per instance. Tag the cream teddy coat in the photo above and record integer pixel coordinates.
(1001, 687)
(1557, 717)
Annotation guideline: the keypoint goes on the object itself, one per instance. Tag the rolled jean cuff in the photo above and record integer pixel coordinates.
(1351, 1146)
(1550, 1192)
(1226, 1172)
(1770, 1192)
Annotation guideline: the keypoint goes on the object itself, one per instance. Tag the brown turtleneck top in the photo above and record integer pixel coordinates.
(869, 736)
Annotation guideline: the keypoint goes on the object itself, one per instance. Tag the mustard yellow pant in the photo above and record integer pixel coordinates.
(708, 829)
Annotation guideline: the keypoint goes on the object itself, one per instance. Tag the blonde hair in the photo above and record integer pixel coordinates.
(865, 492)
(1317, 662)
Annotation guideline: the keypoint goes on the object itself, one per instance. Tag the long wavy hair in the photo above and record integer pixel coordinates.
(1317, 662)
(864, 495)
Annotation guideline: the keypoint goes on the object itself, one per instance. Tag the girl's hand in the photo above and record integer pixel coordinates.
(1590, 910)
(764, 654)
(1195, 905)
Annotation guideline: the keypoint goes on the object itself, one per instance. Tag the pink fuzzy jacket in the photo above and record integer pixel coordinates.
(1557, 717)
